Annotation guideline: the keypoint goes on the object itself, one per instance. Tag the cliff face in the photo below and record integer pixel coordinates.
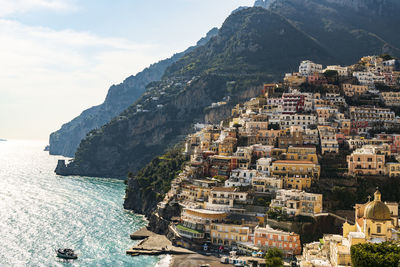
(66, 140)
(348, 28)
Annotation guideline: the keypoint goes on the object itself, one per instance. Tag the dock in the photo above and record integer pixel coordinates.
(154, 244)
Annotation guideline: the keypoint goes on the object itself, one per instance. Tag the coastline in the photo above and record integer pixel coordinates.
(169, 255)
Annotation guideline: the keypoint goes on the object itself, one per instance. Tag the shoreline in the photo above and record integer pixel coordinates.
(169, 255)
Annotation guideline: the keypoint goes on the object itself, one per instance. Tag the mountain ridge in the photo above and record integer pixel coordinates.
(253, 46)
(229, 66)
(66, 140)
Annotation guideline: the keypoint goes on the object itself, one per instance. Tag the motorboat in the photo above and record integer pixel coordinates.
(66, 253)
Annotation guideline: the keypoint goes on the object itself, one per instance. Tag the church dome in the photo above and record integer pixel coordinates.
(377, 210)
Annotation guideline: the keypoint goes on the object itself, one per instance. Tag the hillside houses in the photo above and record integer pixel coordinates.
(270, 149)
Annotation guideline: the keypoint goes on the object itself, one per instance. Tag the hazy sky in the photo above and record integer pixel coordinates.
(59, 57)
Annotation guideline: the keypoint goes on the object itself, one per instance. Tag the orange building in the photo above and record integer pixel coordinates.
(366, 161)
(267, 237)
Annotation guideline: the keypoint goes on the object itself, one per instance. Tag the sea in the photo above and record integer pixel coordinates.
(41, 211)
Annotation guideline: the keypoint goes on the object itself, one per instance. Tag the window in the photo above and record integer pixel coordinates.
(378, 228)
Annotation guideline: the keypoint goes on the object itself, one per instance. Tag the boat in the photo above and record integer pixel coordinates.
(66, 253)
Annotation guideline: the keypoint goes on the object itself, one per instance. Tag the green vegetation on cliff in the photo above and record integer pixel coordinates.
(150, 184)
(157, 175)
(371, 255)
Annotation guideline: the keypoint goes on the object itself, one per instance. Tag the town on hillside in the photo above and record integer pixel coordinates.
(252, 182)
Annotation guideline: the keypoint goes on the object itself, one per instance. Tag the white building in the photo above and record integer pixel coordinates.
(308, 67)
(224, 198)
(342, 71)
(264, 165)
(240, 177)
(297, 202)
(302, 120)
(267, 185)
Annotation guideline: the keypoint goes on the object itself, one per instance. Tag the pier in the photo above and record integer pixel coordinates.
(154, 244)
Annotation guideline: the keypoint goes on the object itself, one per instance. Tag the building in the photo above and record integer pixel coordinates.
(227, 146)
(367, 160)
(368, 78)
(391, 99)
(332, 251)
(376, 221)
(296, 202)
(393, 169)
(371, 114)
(264, 166)
(296, 174)
(240, 177)
(229, 234)
(221, 165)
(307, 153)
(224, 198)
(267, 237)
(326, 113)
(292, 136)
(266, 185)
(308, 67)
(342, 71)
(301, 120)
(316, 79)
(199, 220)
(327, 136)
(351, 89)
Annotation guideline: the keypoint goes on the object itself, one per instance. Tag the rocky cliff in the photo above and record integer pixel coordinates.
(66, 140)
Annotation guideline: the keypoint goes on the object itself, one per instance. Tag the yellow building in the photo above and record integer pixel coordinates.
(374, 220)
(393, 169)
(194, 193)
(300, 183)
(296, 168)
(201, 219)
(229, 234)
(227, 146)
(351, 89)
(302, 153)
(391, 98)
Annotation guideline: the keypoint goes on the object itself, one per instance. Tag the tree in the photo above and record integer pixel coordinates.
(274, 258)
(386, 57)
(385, 254)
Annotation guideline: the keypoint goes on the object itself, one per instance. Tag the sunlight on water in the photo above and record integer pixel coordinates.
(40, 211)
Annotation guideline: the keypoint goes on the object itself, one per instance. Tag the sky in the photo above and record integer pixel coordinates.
(59, 57)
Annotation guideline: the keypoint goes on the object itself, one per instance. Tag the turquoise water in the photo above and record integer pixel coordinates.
(40, 211)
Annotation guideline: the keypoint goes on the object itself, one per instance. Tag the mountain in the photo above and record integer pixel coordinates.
(348, 28)
(66, 140)
(253, 45)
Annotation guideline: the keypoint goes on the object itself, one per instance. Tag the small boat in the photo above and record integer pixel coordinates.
(66, 253)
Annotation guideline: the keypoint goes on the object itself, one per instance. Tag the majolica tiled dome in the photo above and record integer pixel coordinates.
(377, 210)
